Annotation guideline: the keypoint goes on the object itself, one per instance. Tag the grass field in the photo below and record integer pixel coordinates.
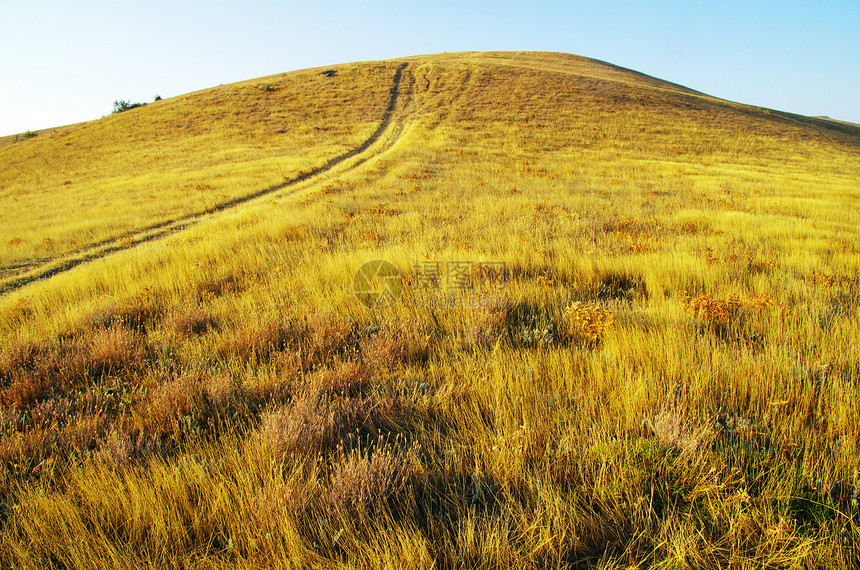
(625, 331)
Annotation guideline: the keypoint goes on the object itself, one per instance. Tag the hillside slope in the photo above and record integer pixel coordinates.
(105, 180)
(620, 328)
(118, 181)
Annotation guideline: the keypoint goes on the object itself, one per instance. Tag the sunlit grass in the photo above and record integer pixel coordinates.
(664, 374)
(96, 181)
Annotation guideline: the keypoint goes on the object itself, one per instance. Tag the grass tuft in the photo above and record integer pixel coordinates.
(365, 484)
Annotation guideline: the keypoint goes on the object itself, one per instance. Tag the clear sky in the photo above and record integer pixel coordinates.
(67, 61)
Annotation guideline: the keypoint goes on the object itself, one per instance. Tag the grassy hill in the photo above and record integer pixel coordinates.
(146, 168)
(622, 327)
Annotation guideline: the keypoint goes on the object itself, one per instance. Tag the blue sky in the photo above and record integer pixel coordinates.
(63, 62)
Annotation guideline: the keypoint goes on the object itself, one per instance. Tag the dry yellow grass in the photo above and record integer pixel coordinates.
(655, 363)
(68, 190)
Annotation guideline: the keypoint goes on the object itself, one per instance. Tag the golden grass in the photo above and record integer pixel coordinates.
(80, 186)
(663, 372)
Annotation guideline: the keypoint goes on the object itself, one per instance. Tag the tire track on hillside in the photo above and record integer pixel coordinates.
(392, 134)
(389, 130)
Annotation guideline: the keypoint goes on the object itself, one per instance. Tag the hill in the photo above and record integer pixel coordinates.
(609, 321)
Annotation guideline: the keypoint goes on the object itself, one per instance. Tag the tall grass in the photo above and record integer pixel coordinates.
(665, 372)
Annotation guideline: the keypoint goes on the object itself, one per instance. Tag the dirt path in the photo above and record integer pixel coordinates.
(386, 134)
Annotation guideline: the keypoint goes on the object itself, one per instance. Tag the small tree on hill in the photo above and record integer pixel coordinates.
(120, 106)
